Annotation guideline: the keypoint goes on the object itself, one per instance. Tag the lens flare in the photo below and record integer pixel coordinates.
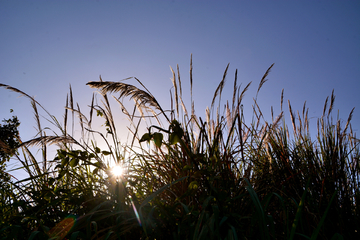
(62, 228)
(135, 211)
(117, 171)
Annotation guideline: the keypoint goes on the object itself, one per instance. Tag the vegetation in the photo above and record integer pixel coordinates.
(9, 142)
(186, 178)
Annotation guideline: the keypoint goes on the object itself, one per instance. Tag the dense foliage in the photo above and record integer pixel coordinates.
(9, 142)
(9, 138)
(187, 178)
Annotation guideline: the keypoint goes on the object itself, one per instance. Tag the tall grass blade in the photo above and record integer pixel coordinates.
(299, 212)
(318, 228)
(259, 211)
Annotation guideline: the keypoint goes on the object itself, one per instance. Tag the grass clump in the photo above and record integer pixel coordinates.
(186, 177)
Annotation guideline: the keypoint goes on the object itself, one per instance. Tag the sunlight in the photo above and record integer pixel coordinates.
(117, 171)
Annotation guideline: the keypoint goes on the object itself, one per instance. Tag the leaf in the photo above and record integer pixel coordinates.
(99, 113)
(193, 185)
(174, 138)
(109, 130)
(318, 228)
(65, 161)
(259, 211)
(108, 235)
(337, 236)
(158, 137)
(299, 211)
(61, 154)
(176, 132)
(97, 150)
(176, 128)
(199, 221)
(61, 174)
(106, 153)
(74, 153)
(187, 167)
(74, 162)
(145, 137)
(153, 195)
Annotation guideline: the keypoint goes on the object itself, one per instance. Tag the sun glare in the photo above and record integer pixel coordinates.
(117, 171)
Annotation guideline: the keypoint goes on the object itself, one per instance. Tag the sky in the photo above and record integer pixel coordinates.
(47, 45)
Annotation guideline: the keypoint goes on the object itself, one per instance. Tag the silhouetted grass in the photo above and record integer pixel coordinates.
(188, 178)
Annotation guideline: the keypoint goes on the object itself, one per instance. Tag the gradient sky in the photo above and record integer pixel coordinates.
(47, 45)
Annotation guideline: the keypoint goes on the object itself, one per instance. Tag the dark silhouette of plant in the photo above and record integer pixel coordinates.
(9, 142)
(221, 177)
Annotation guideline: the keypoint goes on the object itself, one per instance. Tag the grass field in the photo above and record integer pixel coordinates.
(185, 177)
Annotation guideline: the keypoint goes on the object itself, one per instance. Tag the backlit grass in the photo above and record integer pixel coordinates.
(184, 177)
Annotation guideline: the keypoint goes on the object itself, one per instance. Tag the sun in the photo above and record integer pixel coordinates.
(117, 171)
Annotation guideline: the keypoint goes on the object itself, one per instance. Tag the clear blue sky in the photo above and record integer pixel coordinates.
(47, 45)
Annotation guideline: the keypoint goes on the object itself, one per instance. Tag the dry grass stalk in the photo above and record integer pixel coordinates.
(348, 120)
(81, 118)
(108, 114)
(220, 87)
(183, 107)
(180, 93)
(172, 113)
(179, 80)
(191, 77)
(191, 88)
(307, 121)
(155, 115)
(41, 133)
(277, 120)
(126, 90)
(193, 114)
(207, 112)
(303, 111)
(91, 109)
(66, 114)
(208, 121)
(72, 107)
(175, 92)
(37, 118)
(123, 109)
(300, 123)
(228, 116)
(217, 119)
(50, 140)
(325, 106)
(17, 91)
(258, 116)
(292, 117)
(140, 109)
(281, 99)
(258, 108)
(331, 102)
(243, 93)
(263, 79)
(31, 99)
(234, 92)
